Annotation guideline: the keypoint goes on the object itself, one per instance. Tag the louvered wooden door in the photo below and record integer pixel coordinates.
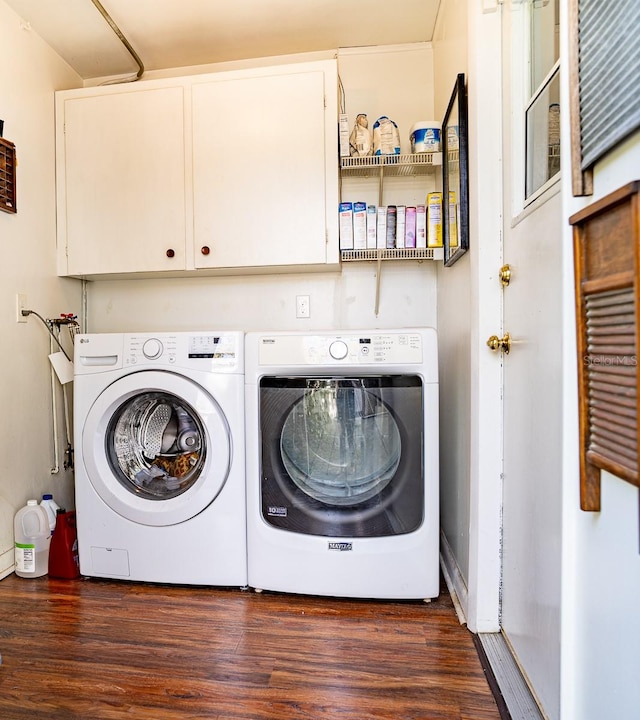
(7, 176)
(606, 247)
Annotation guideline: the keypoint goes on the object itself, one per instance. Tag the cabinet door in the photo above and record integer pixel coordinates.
(259, 170)
(121, 181)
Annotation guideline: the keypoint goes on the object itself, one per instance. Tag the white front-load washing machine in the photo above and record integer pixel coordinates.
(342, 463)
(160, 470)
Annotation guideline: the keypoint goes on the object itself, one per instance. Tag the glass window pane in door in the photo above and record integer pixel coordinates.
(545, 40)
(543, 136)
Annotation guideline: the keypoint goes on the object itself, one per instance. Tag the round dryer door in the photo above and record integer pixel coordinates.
(156, 447)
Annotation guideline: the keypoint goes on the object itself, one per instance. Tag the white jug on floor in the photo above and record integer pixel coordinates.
(32, 538)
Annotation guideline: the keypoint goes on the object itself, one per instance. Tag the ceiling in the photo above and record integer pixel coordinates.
(179, 33)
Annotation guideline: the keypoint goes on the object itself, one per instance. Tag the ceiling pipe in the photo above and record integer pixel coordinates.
(123, 40)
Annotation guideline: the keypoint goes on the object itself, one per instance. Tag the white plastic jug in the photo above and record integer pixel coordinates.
(52, 507)
(32, 538)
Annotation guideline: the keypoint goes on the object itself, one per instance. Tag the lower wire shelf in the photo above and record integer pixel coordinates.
(392, 254)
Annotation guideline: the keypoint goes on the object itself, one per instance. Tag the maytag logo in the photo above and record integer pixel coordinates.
(340, 546)
(277, 511)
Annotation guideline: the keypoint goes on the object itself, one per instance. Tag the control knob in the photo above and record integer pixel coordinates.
(338, 350)
(152, 349)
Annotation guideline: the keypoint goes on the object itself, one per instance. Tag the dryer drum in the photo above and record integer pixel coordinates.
(342, 456)
(155, 447)
(340, 444)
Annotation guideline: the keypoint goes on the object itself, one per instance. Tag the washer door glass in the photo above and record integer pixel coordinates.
(339, 443)
(156, 447)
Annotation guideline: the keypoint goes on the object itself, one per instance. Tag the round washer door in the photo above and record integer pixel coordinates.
(156, 447)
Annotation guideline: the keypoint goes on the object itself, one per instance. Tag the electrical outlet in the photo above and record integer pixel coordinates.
(21, 304)
(303, 309)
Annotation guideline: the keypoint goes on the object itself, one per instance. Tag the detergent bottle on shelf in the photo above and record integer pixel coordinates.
(63, 555)
(32, 539)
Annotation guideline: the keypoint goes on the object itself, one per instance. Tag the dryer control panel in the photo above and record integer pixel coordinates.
(375, 348)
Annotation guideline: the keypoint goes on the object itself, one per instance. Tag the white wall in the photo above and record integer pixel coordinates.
(454, 293)
(267, 302)
(29, 73)
(395, 81)
(601, 623)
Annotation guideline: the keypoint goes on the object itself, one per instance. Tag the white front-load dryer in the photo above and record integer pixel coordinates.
(342, 462)
(160, 468)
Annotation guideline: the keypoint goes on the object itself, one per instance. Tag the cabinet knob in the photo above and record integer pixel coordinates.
(171, 253)
(205, 250)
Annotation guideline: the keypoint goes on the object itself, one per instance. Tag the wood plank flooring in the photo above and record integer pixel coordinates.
(92, 649)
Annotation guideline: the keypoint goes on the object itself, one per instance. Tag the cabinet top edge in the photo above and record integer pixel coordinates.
(327, 65)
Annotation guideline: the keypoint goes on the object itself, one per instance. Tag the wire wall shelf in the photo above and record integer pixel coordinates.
(392, 254)
(390, 165)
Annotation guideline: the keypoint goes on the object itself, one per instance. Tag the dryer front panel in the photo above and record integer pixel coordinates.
(342, 457)
(156, 447)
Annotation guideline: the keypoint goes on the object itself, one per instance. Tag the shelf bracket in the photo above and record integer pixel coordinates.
(378, 274)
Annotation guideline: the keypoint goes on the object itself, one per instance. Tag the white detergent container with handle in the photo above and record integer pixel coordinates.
(32, 538)
(425, 136)
(51, 507)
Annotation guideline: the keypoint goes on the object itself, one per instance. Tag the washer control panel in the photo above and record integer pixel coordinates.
(213, 349)
(376, 348)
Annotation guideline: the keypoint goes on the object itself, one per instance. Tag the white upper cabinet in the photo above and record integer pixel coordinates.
(229, 172)
(259, 178)
(121, 180)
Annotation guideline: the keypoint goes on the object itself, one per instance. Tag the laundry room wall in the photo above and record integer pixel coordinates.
(395, 81)
(454, 292)
(601, 562)
(29, 73)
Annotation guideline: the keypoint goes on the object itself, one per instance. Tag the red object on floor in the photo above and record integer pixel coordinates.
(63, 551)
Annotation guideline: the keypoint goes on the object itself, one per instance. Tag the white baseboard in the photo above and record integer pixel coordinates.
(454, 579)
(7, 563)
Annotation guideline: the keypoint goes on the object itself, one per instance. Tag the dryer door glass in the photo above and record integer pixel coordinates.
(343, 457)
(154, 444)
(340, 443)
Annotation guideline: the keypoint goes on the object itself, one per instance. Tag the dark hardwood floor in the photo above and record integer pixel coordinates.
(92, 649)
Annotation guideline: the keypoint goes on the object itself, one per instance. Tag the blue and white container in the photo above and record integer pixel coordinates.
(425, 136)
(51, 507)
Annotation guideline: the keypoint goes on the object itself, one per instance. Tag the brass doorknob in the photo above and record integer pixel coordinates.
(503, 344)
(505, 275)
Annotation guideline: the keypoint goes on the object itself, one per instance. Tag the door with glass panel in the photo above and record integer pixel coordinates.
(532, 300)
